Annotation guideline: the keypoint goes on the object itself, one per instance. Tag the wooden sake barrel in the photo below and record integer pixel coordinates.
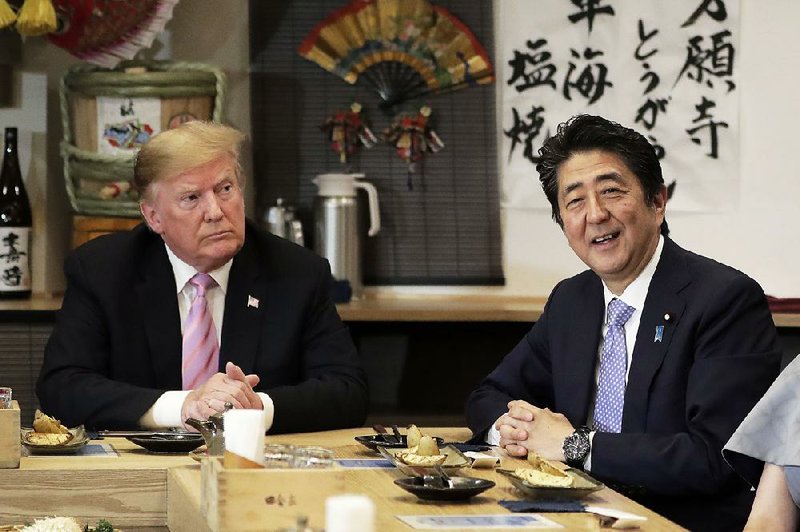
(99, 149)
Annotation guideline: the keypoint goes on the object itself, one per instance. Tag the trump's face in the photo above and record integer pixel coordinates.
(199, 213)
(607, 220)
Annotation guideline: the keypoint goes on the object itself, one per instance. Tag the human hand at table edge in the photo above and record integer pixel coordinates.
(528, 428)
(232, 387)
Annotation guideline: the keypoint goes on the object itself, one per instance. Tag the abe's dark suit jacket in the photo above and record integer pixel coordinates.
(116, 345)
(685, 396)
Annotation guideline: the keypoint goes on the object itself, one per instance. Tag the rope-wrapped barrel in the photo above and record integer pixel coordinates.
(100, 184)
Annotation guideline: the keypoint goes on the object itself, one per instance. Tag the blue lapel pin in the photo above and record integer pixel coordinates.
(659, 333)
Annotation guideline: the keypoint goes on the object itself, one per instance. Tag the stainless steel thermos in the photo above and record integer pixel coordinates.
(336, 231)
(281, 221)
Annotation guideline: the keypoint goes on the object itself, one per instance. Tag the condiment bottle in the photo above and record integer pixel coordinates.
(15, 225)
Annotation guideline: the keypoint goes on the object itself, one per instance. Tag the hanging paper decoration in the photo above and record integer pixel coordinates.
(7, 15)
(412, 137)
(403, 49)
(104, 32)
(36, 17)
(346, 131)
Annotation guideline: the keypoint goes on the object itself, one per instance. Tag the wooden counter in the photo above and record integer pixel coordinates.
(129, 489)
(451, 308)
(138, 489)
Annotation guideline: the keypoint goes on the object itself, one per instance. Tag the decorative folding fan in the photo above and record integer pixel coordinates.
(403, 48)
(104, 32)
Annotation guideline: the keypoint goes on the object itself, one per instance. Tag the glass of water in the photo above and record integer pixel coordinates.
(313, 458)
(278, 456)
(5, 397)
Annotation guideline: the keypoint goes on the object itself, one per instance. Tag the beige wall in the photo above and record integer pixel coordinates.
(201, 31)
(759, 235)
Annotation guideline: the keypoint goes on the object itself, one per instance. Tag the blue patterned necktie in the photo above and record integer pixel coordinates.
(613, 366)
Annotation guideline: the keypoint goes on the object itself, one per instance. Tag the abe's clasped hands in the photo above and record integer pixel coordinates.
(528, 428)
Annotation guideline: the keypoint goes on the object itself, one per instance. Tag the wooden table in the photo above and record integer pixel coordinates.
(130, 490)
(137, 489)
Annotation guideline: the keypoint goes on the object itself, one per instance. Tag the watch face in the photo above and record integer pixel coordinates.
(576, 447)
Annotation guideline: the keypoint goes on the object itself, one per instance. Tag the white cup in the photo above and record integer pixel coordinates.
(349, 513)
(244, 433)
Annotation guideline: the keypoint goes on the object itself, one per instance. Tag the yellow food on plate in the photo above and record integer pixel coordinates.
(47, 431)
(46, 424)
(421, 460)
(413, 436)
(536, 477)
(427, 447)
(543, 473)
(44, 438)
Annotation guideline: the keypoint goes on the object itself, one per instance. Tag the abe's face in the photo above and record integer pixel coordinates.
(199, 213)
(606, 219)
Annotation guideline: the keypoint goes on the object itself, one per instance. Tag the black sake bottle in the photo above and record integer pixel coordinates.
(15, 225)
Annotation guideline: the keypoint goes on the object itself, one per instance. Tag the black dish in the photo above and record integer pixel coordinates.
(172, 443)
(390, 441)
(435, 488)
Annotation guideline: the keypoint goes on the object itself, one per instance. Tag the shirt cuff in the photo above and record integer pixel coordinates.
(166, 411)
(493, 436)
(269, 409)
(587, 464)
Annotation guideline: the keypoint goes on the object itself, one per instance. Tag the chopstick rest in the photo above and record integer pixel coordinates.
(482, 460)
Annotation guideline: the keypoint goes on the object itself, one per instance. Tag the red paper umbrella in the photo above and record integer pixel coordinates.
(403, 48)
(104, 32)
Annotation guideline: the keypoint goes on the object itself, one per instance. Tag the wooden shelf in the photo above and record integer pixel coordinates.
(466, 309)
(443, 308)
(403, 308)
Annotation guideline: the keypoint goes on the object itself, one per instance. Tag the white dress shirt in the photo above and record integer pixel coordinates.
(634, 295)
(166, 411)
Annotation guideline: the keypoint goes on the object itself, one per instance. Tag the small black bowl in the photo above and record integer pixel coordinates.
(173, 443)
(390, 441)
(435, 489)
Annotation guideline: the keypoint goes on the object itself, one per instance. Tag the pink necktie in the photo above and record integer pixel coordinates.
(200, 348)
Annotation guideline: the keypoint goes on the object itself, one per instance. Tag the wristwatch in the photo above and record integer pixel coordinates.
(576, 447)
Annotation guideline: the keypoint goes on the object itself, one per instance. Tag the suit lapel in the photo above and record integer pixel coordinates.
(580, 353)
(245, 301)
(649, 352)
(158, 305)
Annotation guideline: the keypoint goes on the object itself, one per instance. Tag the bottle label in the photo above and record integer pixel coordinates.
(15, 259)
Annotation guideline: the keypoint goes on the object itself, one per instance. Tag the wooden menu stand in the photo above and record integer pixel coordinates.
(10, 450)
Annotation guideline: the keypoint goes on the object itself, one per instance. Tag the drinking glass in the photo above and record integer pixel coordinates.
(278, 456)
(5, 397)
(312, 458)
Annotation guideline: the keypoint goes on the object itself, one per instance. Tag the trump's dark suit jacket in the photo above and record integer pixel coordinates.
(686, 393)
(116, 345)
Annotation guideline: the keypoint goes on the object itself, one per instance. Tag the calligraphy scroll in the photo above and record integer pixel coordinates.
(666, 69)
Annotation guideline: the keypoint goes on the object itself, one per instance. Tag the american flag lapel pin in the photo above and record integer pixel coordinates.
(252, 302)
(659, 333)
